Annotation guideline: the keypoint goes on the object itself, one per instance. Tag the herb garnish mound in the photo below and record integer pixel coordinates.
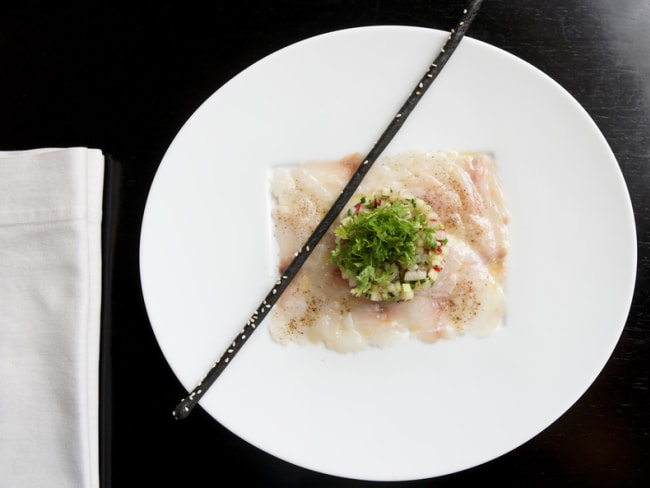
(388, 245)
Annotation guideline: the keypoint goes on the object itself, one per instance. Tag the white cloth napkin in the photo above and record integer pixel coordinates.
(50, 294)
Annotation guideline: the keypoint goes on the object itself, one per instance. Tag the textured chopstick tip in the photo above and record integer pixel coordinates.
(183, 409)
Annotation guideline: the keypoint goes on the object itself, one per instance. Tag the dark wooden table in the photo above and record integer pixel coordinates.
(126, 79)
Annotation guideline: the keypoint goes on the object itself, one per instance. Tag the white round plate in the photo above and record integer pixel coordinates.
(413, 410)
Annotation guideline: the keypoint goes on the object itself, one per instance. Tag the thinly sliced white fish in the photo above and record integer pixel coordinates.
(468, 297)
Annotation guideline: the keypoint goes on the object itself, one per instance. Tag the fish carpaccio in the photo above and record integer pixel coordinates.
(468, 297)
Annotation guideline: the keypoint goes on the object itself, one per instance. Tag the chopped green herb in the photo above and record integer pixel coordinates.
(387, 241)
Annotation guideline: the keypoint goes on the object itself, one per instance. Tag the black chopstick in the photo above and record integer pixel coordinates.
(186, 405)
